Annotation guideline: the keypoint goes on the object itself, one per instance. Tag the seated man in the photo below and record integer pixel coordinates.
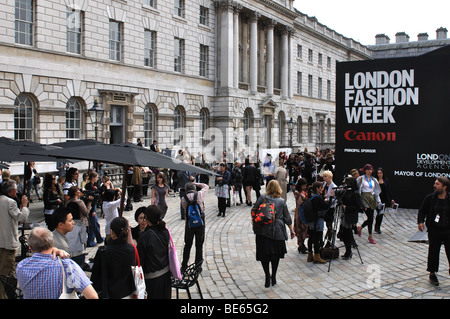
(40, 276)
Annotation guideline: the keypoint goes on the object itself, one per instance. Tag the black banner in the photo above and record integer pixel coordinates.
(394, 113)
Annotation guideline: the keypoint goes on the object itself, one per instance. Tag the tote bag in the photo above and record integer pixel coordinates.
(138, 275)
(173, 260)
(65, 294)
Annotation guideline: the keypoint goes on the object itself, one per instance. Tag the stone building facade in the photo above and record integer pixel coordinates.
(189, 73)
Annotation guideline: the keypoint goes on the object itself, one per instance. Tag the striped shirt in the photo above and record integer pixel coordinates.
(40, 277)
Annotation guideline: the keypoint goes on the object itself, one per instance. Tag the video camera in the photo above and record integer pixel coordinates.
(340, 191)
(96, 197)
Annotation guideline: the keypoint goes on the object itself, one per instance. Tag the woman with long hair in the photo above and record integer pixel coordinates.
(159, 193)
(271, 238)
(385, 197)
(370, 190)
(51, 197)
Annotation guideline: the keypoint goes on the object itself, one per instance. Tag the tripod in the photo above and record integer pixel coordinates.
(338, 213)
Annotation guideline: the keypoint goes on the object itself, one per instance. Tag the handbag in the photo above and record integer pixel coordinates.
(174, 265)
(173, 260)
(65, 294)
(138, 275)
(264, 214)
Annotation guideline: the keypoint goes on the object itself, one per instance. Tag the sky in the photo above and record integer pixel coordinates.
(363, 20)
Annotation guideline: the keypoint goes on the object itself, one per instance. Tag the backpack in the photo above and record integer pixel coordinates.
(193, 213)
(306, 211)
(264, 214)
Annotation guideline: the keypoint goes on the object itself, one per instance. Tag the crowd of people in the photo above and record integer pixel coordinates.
(70, 212)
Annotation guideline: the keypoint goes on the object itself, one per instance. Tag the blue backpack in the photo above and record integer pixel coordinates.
(194, 214)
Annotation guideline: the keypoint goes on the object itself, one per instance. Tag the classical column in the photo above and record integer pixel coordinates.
(237, 9)
(226, 44)
(269, 61)
(290, 64)
(284, 63)
(254, 52)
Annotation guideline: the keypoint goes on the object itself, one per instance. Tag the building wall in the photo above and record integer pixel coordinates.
(50, 76)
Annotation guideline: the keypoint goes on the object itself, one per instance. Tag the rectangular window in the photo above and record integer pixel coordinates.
(74, 31)
(150, 3)
(328, 90)
(204, 15)
(24, 22)
(204, 60)
(179, 8)
(319, 88)
(149, 48)
(115, 40)
(320, 59)
(299, 83)
(310, 85)
(328, 62)
(178, 55)
(310, 55)
(299, 51)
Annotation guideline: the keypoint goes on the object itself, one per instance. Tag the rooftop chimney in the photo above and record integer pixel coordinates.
(382, 39)
(441, 33)
(422, 37)
(401, 37)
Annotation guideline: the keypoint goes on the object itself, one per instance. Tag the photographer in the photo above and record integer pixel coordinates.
(351, 199)
(94, 227)
(84, 207)
(111, 201)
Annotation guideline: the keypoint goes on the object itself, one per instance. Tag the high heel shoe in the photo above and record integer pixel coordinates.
(371, 240)
(267, 283)
(347, 256)
(274, 280)
(359, 230)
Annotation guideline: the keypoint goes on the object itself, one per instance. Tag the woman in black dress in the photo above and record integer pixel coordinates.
(385, 196)
(271, 238)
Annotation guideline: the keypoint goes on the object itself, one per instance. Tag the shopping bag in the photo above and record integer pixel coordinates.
(139, 281)
(173, 260)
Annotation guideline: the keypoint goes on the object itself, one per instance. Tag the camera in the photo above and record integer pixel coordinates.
(96, 197)
(340, 191)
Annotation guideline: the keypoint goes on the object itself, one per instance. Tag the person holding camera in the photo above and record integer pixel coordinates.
(222, 184)
(94, 226)
(111, 203)
(353, 204)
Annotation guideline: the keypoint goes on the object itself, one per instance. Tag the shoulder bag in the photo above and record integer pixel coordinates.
(65, 294)
(138, 275)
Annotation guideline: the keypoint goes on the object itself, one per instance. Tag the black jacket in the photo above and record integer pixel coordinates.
(118, 257)
(427, 211)
(353, 205)
(153, 248)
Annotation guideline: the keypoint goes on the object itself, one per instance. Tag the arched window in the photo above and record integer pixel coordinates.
(310, 130)
(73, 119)
(178, 122)
(299, 129)
(281, 120)
(204, 125)
(329, 130)
(246, 123)
(149, 125)
(23, 117)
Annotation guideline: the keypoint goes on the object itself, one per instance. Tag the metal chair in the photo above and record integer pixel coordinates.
(189, 278)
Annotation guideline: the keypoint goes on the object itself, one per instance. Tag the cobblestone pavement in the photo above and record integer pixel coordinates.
(393, 268)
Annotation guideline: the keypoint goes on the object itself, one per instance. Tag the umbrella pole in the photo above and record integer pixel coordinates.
(124, 189)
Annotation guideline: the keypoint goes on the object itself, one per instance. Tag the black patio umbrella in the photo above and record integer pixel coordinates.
(125, 154)
(12, 151)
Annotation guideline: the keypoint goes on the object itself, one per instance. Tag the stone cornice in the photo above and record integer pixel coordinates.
(279, 8)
